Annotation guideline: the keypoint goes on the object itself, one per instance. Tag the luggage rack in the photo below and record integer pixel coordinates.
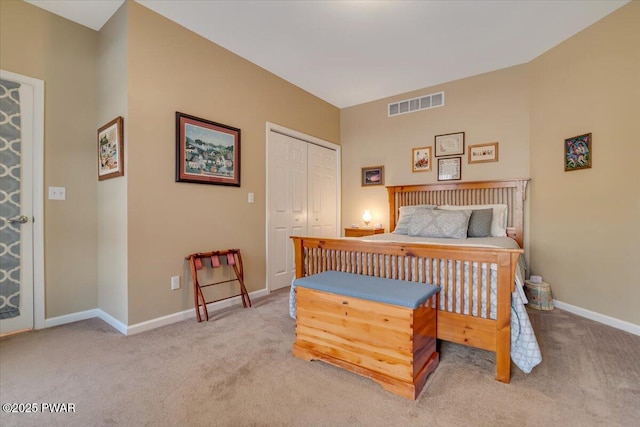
(234, 259)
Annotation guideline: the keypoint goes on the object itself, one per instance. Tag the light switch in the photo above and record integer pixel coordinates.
(251, 198)
(57, 193)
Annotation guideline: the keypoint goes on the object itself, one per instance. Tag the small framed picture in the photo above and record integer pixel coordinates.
(449, 169)
(206, 152)
(482, 153)
(372, 175)
(421, 159)
(450, 144)
(577, 152)
(111, 150)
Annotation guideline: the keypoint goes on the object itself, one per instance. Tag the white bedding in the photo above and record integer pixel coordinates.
(525, 351)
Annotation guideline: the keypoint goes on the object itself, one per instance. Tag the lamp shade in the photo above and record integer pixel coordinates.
(366, 217)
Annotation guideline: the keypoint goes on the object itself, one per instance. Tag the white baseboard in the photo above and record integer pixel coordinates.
(149, 324)
(189, 314)
(70, 318)
(601, 318)
(115, 323)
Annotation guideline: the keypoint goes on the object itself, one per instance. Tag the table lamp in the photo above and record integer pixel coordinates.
(366, 217)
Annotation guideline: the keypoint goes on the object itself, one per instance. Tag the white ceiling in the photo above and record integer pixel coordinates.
(351, 52)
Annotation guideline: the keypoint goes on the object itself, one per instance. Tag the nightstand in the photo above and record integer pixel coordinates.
(361, 232)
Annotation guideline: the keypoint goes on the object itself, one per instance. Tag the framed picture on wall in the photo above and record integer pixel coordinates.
(482, 153)
(421, 159)
(111, 150)
(449, 144)
(206, 152)
(577, 152)
(372, 175)
(449, 169)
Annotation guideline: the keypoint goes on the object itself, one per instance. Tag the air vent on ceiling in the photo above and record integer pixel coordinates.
(416, 104)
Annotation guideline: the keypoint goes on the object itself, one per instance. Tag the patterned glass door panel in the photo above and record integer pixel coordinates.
(10, 216)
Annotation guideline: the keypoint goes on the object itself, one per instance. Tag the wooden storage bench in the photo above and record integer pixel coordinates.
(379, 328)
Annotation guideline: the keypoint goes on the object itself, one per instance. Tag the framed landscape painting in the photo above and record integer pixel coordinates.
(206, 152)
(372, 175)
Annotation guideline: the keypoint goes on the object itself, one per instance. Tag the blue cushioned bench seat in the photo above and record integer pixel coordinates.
(378, 289)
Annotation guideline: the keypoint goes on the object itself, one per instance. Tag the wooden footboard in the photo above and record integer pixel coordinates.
(465, 314)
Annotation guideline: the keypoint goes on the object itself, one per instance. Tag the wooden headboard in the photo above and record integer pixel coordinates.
(509, 192)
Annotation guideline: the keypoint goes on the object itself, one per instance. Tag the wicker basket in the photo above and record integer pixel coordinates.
(539, 295)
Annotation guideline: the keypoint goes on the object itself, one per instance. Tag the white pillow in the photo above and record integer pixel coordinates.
(498, 221)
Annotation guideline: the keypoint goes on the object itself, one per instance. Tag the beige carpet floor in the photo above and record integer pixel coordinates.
(237, 370)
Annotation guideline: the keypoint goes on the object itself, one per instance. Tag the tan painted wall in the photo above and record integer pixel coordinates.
(585, 229)
(489, 107)
(112, 193)
(172, 69)
(39, 44)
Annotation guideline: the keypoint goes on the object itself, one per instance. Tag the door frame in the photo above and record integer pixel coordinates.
(38, 192)
(311, 140)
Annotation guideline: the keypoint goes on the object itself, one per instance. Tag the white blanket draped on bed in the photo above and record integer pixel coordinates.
(525, 351)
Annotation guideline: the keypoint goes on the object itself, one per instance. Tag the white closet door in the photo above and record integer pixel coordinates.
(322, 199)
(287, 204)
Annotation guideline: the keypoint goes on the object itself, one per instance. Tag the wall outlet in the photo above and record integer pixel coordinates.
(175, 283)
(57, 193)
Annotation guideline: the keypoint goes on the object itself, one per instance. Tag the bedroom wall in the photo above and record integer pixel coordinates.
(63, 54)
(172, 69)
(585, 228)
(112, 193)
(489, 107)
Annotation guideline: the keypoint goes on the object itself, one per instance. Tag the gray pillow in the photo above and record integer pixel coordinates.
(480, 223)
(406, 213)
(440, 223)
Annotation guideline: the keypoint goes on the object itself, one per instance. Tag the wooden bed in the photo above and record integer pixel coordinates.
(421, 262)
